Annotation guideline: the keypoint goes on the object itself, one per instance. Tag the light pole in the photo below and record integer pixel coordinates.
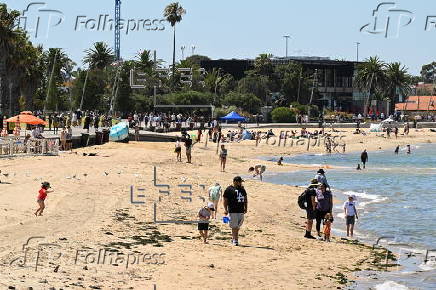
(183, 52)
(286, 37)
(357, 50)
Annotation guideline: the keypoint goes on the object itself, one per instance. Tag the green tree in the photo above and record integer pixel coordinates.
(255, 84)
(173, 13)
(196, 59)
(428, 72)
(398, 82)
(371, 78)
(99, 57)
(246, 102)
(263, 65)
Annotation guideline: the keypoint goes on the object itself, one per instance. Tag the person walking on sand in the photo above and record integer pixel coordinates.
(223, 158)
(215, 193)
(310, 194)
(188, 146)
(324, 205)
(258, 170)
(42, 195)
(204, 216)
(322, 179)
(350, 215)
(364, 158)
(178, 150)
(236, 206)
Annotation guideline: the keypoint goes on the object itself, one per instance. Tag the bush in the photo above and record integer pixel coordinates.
(283, 115)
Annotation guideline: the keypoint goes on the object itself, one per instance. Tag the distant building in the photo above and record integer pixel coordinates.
(334, 78)
(418, 105)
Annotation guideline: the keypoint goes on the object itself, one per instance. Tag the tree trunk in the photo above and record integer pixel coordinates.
(174, 50)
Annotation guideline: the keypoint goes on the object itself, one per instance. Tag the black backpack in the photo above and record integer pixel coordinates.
(302, 199)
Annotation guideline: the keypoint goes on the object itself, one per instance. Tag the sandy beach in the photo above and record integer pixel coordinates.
(104, 204)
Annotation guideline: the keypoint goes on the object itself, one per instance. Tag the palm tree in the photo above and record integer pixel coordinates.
(371, 78)
(173, 14)
(99, 57)
(397, 80)
(263, 65)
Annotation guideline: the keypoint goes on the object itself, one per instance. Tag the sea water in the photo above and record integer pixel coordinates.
(396, 197)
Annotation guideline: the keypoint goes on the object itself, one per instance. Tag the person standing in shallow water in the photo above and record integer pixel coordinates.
(364, 158)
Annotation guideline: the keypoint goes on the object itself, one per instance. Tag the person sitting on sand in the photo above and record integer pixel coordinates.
(223, 158)
(350, 215)
(258, 170)
(215, 193)
(42, 195)
(328, 220)
(280, 161)
(204, 216)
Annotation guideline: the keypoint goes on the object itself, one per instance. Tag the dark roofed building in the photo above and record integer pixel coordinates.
(335, 78)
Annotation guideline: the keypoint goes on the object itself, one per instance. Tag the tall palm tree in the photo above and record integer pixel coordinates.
(173, 14)
(397, 80)
(371, 78)
(99, 57)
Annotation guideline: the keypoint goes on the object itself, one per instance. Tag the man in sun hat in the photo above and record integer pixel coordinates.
(320, 176)
(236, 206)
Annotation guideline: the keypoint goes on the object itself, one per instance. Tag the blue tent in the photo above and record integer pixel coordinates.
(233, 116)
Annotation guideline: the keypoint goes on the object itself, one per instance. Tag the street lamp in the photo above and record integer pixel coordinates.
(286, 37)
(183, 52)
(357, 50)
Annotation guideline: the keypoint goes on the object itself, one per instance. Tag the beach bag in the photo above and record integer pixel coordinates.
(302, 200)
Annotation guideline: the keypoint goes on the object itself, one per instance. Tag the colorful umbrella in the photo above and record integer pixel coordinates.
(26, 118)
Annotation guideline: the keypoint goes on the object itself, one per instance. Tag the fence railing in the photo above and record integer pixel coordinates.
(11, 146)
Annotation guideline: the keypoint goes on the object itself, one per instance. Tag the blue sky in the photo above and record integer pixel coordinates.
(245, 28)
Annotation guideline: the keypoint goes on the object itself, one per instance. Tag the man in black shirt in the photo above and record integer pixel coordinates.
(235, 205)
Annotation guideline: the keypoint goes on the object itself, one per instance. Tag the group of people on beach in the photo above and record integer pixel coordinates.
(317, 200)
(235, 204)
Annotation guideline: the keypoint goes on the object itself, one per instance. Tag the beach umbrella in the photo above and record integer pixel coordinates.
(26, 118)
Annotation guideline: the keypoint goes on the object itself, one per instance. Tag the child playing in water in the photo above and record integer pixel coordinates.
(328, 220)
(42, 194)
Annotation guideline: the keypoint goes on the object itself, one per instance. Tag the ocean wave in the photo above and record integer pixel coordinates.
(390, 285)
(363, 195)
